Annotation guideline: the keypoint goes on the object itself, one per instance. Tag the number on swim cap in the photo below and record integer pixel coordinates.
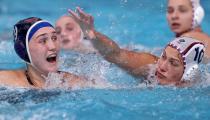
(198, 55)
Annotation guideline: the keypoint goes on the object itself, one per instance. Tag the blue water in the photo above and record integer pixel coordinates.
(125, 104)
(140, 24)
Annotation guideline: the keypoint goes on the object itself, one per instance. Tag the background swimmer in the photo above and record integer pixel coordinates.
(71, 35)
(185, 17)
(36, 43)
(81, 63)
(178, 60)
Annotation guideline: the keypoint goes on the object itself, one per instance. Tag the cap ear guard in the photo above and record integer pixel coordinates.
(198, 16)
(193, 58)
(198, 13)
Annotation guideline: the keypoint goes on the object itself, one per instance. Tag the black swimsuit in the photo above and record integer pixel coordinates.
(28, 78)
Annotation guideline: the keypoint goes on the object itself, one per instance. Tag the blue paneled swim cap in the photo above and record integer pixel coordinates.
(23, 32)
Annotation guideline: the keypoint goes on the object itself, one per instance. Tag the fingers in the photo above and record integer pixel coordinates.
(83, 14)
(74, 15)
(81, 17)
(91, 20)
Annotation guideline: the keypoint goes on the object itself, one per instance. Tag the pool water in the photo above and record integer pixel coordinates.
(137, 24)
(125, 104)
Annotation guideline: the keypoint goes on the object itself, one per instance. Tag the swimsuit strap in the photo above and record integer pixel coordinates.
(28, 78)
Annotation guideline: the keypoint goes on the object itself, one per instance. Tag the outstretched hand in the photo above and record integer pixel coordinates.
(85, 21)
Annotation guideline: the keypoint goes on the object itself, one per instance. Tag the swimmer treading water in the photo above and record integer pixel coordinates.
(35, 42)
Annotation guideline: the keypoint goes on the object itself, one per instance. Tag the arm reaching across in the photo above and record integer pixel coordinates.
(128, 60)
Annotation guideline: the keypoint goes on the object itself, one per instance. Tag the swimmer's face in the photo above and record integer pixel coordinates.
(44, 48)
(69, 32)
(180, 15)
(170, 67)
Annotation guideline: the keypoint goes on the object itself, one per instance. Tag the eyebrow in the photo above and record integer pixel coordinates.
(45, 34)
(173, 58)
(54, 32)
(57, 28)
(70, 24)
(176, 59)
(41, 35)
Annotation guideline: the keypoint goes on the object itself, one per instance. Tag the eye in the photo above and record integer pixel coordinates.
(58, 31)
(170, 10)
(163, 56)
(69, 28)
(183, 9)
(54, 38)
(174, 63)
(43, 40)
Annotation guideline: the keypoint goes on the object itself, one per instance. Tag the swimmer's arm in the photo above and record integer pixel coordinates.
(13, 78)
(128, 60)
(106, 47)
(101, 42)
(133, 62)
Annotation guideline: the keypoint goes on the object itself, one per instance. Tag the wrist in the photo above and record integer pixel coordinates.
(92, 34)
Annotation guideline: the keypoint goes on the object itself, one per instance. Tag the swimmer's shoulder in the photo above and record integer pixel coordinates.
(14, 78)
(203, 37)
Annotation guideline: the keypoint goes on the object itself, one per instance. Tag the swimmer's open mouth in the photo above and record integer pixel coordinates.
(52, 58)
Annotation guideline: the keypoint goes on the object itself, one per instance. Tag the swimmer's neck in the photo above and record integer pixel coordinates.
(36, 78)
(196, 29)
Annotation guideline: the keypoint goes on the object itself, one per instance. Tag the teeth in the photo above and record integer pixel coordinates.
(51, 58)
(52, 55)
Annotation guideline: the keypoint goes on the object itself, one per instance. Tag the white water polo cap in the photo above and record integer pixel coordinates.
(191, 51)
(198, 13)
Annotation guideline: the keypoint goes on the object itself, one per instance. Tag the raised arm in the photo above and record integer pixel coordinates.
(128, 60)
